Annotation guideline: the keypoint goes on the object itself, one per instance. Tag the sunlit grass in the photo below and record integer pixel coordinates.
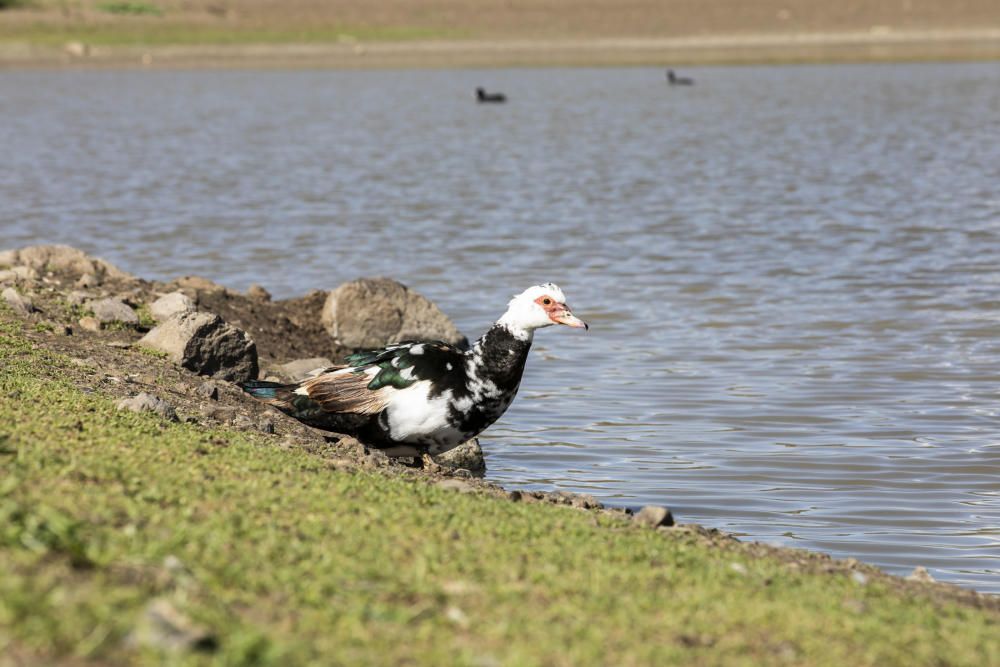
(287, 561)
(150, 32)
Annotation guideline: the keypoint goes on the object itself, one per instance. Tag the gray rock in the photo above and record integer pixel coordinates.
(205, 344)
(163, 627)
(372, 312)
(209, 390)
(77, 298)
(8, 258)
(18, 302)
(300, 369)
(171, 304)
(144, 402)
(243, 422)
(7, 277)
(468, 456)
(255, 291)
(113, 310)
(654, 516)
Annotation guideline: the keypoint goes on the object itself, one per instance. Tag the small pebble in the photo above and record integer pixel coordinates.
(90, 323)
(209, 390)
(257, 292)
(145, 402)
(921, 574)
(242, 422)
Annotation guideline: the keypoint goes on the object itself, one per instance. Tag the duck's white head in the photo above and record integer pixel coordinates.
(537, 307)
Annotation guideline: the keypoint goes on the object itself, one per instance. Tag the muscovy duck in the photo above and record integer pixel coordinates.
(419, 399)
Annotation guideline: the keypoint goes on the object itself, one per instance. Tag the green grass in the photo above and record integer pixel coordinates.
(290, 562)
(152, 31)
(130, 8)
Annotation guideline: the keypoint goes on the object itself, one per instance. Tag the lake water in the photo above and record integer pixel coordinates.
(792, 273)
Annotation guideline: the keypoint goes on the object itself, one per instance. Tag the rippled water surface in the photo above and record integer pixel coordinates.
(791, 273)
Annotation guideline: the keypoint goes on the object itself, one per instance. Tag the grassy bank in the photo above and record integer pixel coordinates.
(273, 555)
(402, 33)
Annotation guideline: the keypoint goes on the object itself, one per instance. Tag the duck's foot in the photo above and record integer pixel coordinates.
(429, 465)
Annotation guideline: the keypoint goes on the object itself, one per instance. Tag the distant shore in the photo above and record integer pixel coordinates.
(876, 45)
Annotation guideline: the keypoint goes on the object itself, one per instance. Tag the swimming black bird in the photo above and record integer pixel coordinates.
(675, 80)
(424, 398)
(483, 97)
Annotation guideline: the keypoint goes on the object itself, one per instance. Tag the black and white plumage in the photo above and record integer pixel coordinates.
(420, 398)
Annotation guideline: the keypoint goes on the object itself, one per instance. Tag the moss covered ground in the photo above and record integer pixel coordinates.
(273, 556)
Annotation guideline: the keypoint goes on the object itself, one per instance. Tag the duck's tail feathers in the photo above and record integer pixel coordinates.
(266, 391)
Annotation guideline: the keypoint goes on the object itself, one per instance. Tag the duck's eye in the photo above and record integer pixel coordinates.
(546, 301)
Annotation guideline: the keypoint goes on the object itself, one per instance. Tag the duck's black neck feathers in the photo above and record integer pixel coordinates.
(499, 356)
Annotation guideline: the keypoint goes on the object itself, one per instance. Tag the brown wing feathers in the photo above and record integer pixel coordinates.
(347, 392)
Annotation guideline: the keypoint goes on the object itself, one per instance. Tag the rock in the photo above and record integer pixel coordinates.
(18, 274)
(90, 323)
(243, 422)
(209, 390)
(654, 516)
(266, 425)
(8, 258)
(64, 259)
(920, 574)
(112, 310)
(372, 312)
(222, 414)
(88, 281)
(205, 344)
(144, 402)
(25, 273)
(19, 303)
(468, 455)
(76, 49)
(255, 291)
(163, 627)
(199, 284)
(300, 369)
(171, 304)
(456, 485)
(77, 298)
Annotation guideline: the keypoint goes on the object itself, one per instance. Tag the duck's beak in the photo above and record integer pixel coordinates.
(564, 316)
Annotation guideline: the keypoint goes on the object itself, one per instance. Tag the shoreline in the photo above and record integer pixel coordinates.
(875, 45)
(208, 504)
